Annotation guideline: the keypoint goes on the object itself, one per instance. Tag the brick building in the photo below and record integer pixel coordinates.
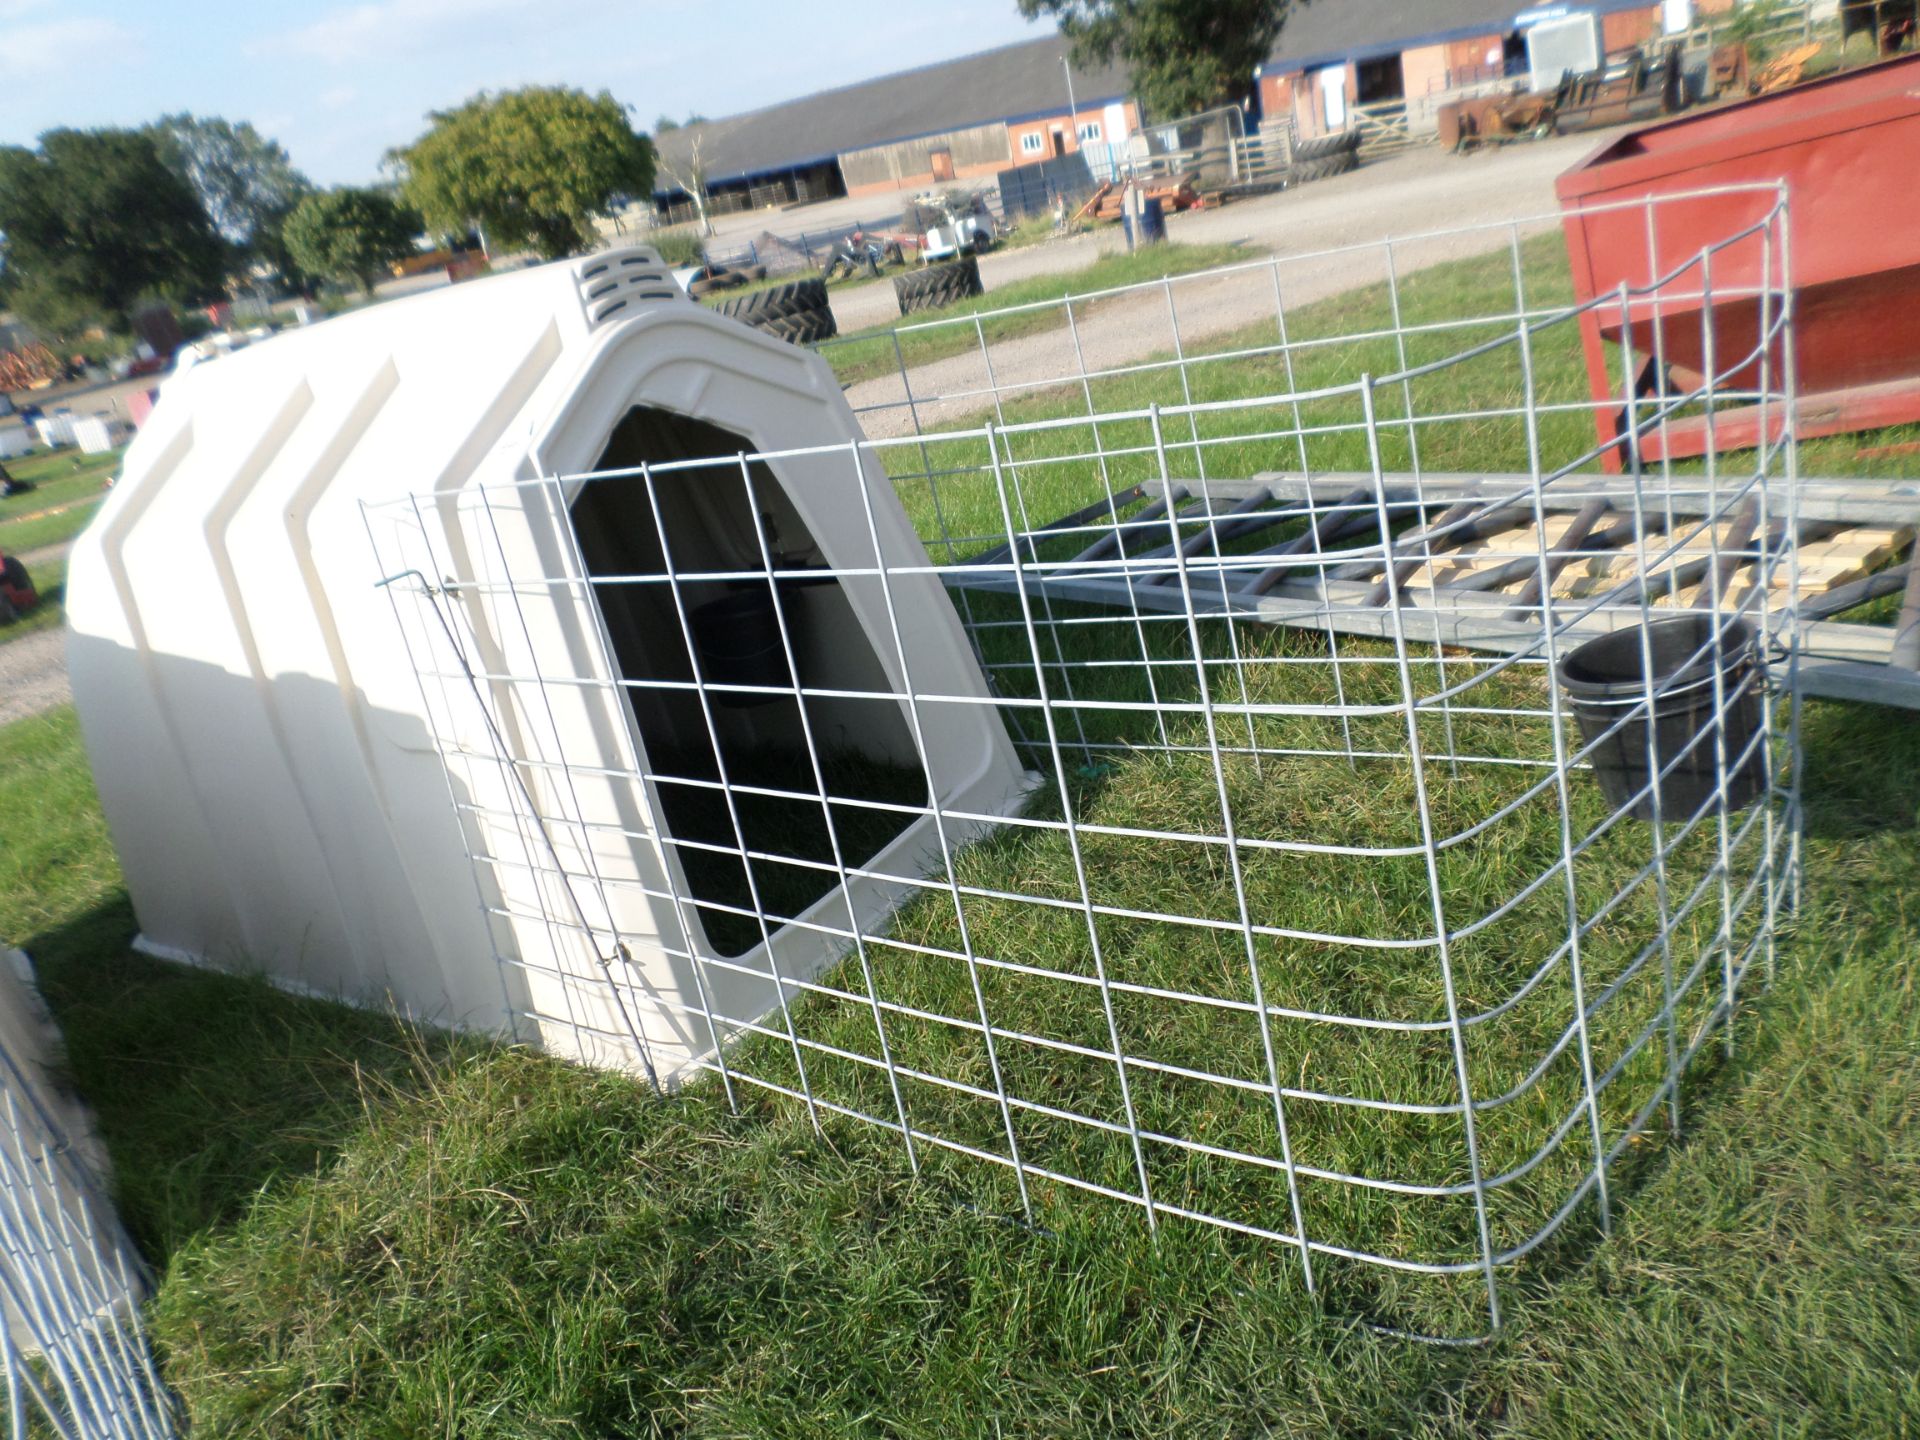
(1332, 57)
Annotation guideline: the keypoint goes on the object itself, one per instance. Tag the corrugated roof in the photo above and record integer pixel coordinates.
(1325, 31)
(1012, 82)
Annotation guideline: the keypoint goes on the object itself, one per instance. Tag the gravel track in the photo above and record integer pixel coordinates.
(33, 668)
(33, 674)
(1410, 194)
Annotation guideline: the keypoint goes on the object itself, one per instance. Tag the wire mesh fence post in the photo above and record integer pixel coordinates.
(1441, 939)
(936, 810)
(1244, 910)
(731, 796)
(1557, 729)
(792, 661)
(1656, 818)
(1069, 822)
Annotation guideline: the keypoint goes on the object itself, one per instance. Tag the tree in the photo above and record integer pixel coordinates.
(1184, 55)
(246, 182)
(689, 172)
(351, 234)
(95, 223)
(529, 167)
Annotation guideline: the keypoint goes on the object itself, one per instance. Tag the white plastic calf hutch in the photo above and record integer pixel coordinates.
(294, 656)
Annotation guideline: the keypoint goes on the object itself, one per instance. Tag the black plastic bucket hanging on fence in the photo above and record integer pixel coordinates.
(1607, 679)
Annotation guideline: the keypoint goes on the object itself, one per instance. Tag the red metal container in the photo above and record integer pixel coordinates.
(1848, 150)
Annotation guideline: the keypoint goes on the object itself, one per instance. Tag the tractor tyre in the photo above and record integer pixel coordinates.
(798, 311)
(1321, 147)
(1321, 169)
(803, 327)
(938, 286)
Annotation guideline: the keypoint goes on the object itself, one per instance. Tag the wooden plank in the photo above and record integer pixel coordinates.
(1488, 554)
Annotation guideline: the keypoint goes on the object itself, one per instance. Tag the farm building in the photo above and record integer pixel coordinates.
(1333, 58)
(954, 120)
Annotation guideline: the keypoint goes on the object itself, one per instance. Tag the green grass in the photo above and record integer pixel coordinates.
(364, 1230)
(64, 481)
(680, 245)
(39, 531)
(67, 491)
(368, 1232)
(864, 354)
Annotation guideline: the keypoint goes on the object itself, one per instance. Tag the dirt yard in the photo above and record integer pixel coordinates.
(1418, 193)
(33, 674)
(1408, 194)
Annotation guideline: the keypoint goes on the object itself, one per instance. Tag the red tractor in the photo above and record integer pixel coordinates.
(17, 595)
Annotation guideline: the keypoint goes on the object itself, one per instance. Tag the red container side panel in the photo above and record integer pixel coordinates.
(1846, 150)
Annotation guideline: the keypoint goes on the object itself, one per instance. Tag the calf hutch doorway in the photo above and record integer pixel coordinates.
(709, 670)
(453, 655)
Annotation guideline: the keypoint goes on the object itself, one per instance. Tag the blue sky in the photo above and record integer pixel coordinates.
(340, 81)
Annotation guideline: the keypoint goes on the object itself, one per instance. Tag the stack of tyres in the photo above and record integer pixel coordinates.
(1324, 155)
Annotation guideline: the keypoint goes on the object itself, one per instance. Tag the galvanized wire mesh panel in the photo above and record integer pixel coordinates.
(1326, 921)
(71, 1343)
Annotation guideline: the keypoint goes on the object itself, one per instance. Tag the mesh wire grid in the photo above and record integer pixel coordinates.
(72, 1346)
(1315, 925)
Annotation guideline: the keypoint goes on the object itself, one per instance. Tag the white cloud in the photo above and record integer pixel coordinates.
(339, 97)
(383, 28)
(39, 47)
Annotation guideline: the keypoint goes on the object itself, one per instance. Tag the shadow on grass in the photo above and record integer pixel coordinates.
(1863, 774)
(208, 1087)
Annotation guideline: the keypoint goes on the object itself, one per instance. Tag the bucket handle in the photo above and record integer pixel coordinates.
(1771, 653)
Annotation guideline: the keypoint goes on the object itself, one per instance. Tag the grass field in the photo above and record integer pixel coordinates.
(864, 354)
(364, 1230)
(68, 488)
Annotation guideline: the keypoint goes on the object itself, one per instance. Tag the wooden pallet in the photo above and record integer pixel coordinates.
(1289, 550)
